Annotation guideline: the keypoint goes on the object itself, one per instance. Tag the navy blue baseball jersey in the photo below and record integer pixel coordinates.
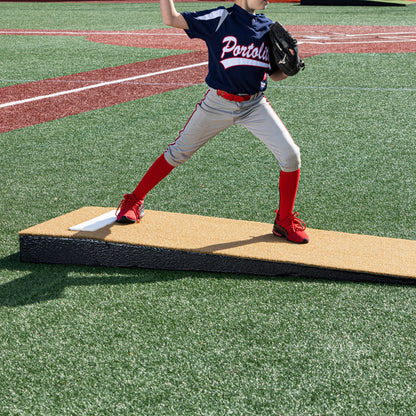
(237, 47)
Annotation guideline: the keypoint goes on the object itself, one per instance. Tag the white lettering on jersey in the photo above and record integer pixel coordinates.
(222, 13)
(244, 55)
(230, 62)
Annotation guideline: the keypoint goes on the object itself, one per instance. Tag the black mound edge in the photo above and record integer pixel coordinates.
(90, 252)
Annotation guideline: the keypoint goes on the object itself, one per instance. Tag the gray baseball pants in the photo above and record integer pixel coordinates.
(215, 113)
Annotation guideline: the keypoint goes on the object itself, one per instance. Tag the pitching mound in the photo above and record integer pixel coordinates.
(165, 240)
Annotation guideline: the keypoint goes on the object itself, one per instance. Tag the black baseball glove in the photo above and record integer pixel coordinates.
(283, 51)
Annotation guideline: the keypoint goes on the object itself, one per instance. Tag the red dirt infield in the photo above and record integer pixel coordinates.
(32, 103)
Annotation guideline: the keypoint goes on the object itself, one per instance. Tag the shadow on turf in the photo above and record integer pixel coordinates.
(43, 282)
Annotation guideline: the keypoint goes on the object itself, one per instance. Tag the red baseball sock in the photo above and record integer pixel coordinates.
(288, 186)
(158, 171)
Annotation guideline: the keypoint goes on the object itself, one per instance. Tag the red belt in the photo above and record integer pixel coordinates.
(232, 97)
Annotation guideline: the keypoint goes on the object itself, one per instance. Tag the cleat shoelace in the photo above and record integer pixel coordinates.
(292, 222)
(128, 203)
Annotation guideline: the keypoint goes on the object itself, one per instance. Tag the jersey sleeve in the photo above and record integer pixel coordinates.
(204, 23)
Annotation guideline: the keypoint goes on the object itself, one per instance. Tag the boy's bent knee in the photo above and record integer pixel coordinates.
(291, 162)
(176, 158)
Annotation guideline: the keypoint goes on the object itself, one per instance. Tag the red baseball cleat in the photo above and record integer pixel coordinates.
(291, 227)
(130, 210)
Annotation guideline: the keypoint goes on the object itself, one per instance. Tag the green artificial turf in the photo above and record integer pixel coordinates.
(135, 16)
(100, 341)
(93, 341)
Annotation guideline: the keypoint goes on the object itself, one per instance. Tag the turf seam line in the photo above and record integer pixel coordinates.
(311, 87)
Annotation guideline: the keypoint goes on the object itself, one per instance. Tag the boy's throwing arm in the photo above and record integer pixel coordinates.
(170, 16)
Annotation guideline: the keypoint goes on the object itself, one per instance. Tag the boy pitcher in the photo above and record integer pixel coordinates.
(238, 72)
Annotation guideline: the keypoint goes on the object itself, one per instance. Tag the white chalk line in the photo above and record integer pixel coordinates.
(364, 42)
(352, 35)
(334, 36)
(99, 85)
(307, 87)
(68, 81)
(269, 85)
